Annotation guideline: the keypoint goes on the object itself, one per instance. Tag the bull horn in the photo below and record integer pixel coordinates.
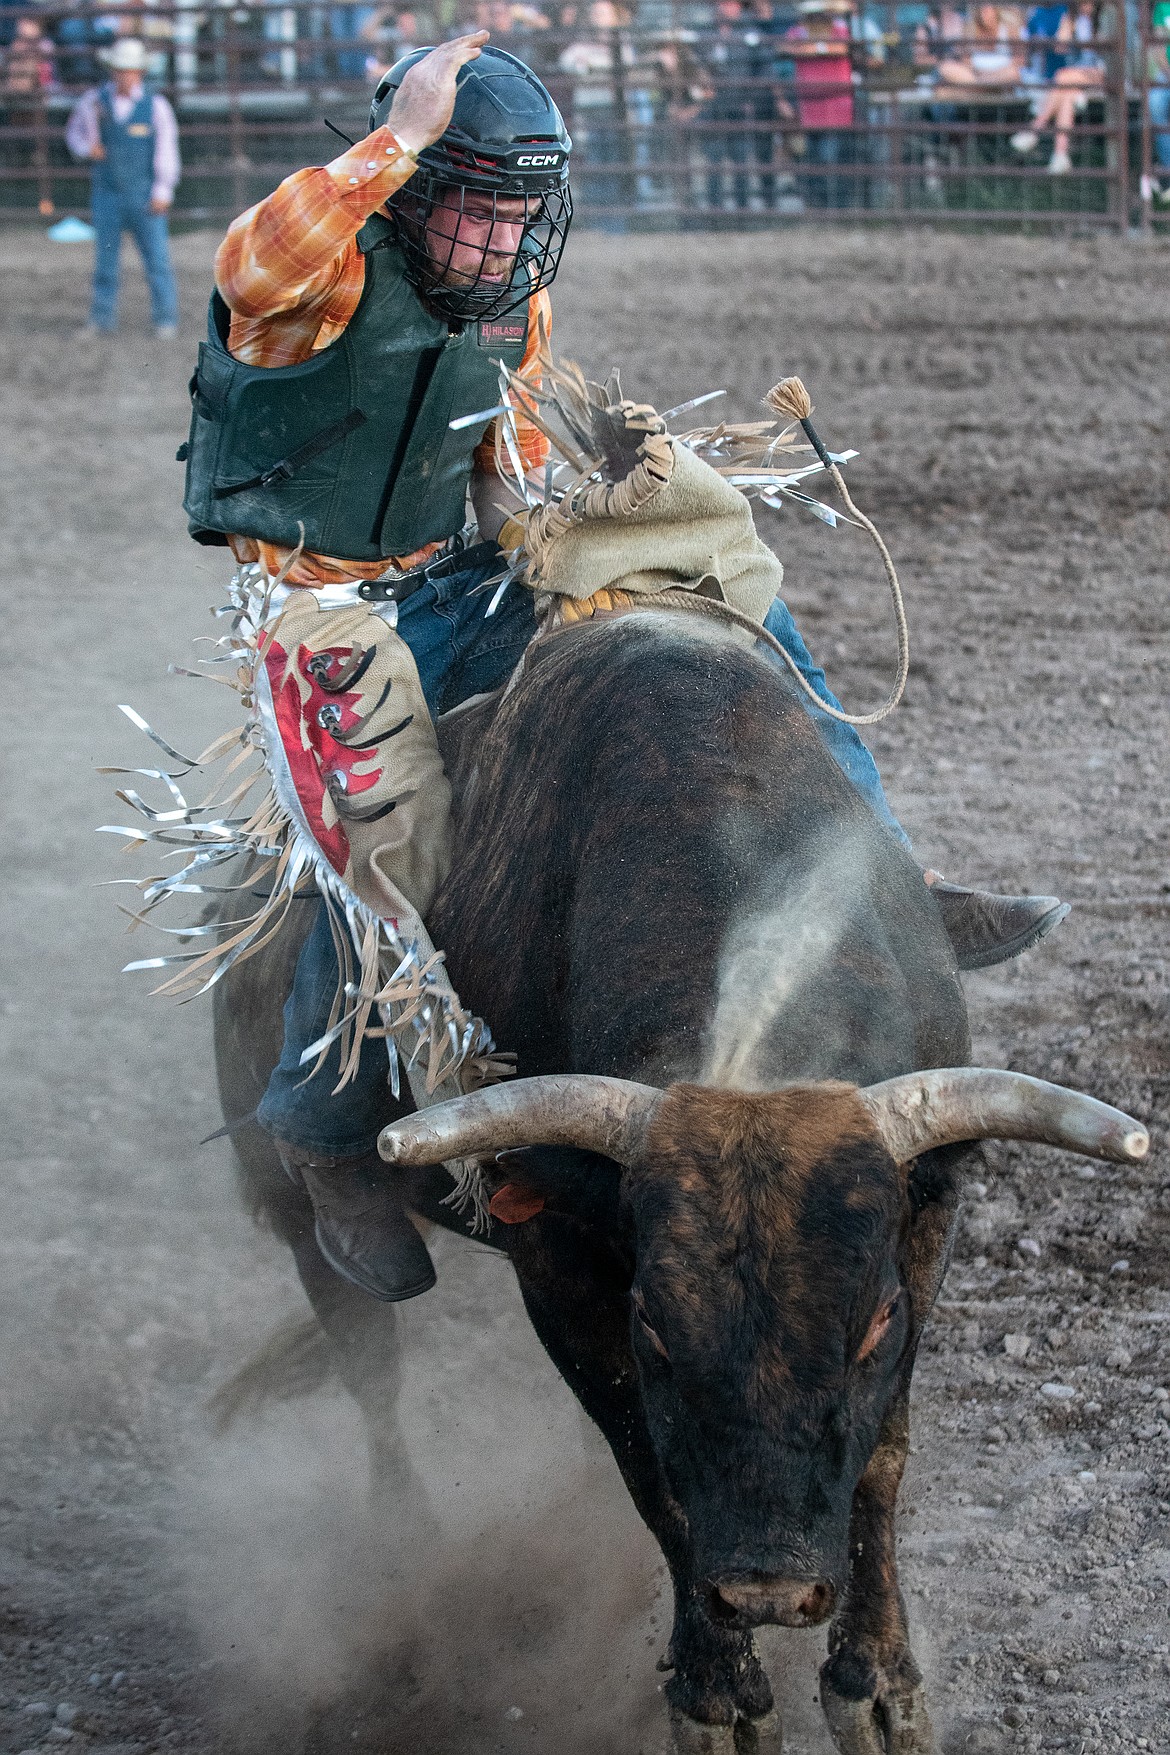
(925, 1109)
(598, 1114)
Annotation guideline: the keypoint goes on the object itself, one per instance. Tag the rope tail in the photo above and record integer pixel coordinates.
(790, 399)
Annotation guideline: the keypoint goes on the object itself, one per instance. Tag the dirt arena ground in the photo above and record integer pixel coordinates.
(164, 1589)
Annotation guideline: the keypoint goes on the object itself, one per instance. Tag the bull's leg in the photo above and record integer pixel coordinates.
(577, 1296)
(719, 1695)
(364, 1336)
(365, 1342)
(871, 1686)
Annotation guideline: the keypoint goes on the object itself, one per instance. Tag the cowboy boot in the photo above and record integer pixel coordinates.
(363, 1229)
(985, 929)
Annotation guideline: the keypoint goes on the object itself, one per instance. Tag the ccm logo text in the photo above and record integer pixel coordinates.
(538, 159)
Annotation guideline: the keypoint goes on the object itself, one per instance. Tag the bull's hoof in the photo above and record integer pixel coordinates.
(747, 1736)
(759, 1736)
(689, 1737)
(880, 1723)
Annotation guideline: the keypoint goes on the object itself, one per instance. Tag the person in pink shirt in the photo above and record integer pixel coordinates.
(820, 46)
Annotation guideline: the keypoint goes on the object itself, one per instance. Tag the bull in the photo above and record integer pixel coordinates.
(738, 1131)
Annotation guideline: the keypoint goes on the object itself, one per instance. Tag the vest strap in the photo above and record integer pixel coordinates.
(404, 585)
(288, 466)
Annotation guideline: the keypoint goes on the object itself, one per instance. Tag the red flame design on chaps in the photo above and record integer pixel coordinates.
(312, 753)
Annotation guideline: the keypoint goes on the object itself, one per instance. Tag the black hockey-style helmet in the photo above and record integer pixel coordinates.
(505, 138)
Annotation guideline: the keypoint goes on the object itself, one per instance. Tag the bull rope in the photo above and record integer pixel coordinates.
(595, 414)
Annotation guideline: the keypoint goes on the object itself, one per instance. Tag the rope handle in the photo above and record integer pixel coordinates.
(683, 597)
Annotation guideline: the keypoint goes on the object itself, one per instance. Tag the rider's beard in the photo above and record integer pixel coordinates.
(492, 268)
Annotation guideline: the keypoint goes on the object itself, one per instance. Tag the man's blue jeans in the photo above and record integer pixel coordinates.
(113, 215)
(460, 651)
(1160, 122)
(826, 146)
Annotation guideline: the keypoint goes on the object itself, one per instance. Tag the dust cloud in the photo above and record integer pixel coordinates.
(775, 949)
(499, 1593)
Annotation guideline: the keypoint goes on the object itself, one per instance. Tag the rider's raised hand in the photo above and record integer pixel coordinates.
(424, 102)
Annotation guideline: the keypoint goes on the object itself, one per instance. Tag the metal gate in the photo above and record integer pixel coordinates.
(736, 113)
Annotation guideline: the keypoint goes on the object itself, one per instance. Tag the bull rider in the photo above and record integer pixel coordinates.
(361, 309)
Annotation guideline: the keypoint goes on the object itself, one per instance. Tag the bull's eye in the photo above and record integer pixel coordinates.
(876, 1333)
(648, 1329)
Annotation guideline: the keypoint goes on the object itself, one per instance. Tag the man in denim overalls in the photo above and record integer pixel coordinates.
(130, 137)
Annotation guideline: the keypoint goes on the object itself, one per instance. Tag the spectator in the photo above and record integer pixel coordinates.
(189, 21)
(348, 25)
(643, 99)
(685, 89)
(141, 18)
(935, 37)
(1159, 49)
(27, 75)
(524, 17)
(394, 33)
(131, 138)
(871, 43)
(28, 66)
(278, 26)
(820, 46)
(493, 15)
(1080, 71)
(740, 60)
(77, 37)
(599, 62)
(503, 17)
(992, 60)
(1043, 26)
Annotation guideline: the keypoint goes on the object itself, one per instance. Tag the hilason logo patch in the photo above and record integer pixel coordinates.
(501, 331)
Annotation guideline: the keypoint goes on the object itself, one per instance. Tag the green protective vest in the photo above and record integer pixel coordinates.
(354, 443)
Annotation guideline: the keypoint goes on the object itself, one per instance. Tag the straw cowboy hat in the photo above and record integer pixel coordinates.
(128, 55)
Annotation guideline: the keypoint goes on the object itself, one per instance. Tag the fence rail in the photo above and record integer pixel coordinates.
(680, 119)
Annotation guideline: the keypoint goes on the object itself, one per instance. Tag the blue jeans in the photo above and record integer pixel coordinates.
(113, 215)
(1160, 122)
(460, 652)
(827, 147)
(739, 147)
(346, 24)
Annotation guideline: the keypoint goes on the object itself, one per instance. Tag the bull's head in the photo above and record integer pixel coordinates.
(786, 1247)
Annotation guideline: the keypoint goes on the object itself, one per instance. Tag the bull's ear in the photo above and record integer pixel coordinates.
(576, 1181)
(935, 1178)
(933, 1184)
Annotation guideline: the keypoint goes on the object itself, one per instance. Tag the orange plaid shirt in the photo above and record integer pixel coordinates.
(291, 274)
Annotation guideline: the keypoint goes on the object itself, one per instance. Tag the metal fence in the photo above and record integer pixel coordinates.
(683, 115)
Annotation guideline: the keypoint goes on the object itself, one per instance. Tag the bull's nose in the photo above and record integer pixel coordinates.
(781, 1602)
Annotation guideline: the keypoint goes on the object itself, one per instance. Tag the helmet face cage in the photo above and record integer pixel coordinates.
(449, 233)
(502, 162)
